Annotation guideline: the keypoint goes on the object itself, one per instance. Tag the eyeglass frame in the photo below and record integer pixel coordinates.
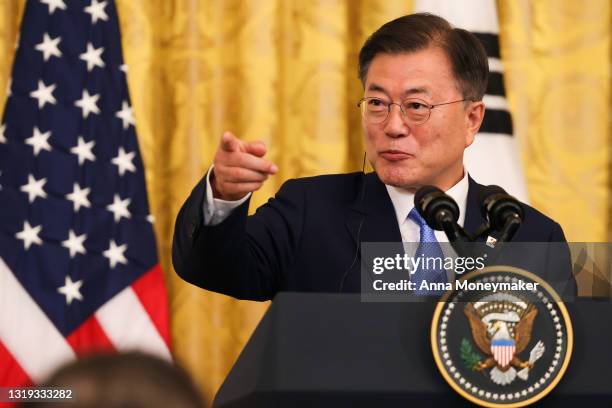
(400, 105)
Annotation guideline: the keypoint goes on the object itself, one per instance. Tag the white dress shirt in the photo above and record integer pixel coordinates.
(403, 202)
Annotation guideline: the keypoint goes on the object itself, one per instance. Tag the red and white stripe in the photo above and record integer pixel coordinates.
(31, 347)
(503, 354)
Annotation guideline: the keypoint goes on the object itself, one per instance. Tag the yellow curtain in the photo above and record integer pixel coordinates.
(557, 65)
(284, 71)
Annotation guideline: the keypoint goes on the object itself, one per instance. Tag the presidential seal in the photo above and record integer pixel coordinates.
(502, 348)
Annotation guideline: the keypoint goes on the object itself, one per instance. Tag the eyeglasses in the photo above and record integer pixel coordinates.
(415, 111)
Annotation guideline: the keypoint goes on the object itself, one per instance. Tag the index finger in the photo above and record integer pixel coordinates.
(252, 162)
(230, 143)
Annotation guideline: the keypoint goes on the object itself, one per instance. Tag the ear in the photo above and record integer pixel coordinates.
(474, 115)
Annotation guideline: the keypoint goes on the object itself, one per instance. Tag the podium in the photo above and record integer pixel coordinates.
(332, 350)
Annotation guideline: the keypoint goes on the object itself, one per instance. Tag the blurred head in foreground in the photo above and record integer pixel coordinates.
(131, 380)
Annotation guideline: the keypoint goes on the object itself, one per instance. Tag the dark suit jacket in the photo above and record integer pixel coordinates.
(306, 238)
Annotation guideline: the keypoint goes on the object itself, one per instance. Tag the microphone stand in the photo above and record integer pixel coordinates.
(457, 236)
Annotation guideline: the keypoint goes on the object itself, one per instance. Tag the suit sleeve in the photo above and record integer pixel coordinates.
(244, 257)
(560, 274)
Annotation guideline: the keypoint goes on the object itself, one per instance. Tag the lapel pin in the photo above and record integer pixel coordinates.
(491, 242)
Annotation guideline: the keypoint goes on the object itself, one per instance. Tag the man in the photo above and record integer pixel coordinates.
(423, 87)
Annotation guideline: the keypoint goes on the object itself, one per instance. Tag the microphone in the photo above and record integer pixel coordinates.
(441, 212)
(436, 207)
(504, 212)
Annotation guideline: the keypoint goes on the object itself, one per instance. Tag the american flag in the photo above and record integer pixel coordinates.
(78, 263)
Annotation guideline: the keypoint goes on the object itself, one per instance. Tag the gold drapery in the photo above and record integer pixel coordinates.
(284, 71)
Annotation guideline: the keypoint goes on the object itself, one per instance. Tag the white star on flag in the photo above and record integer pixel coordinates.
(44, 94)
(83, 150)
(71, 290)
(29, 235)
(34, 188)
(123, 68)
(2, 130)
(39, 141)
(114, 254)
(96, 10)
(151, 218)
(88, 103)
(79, 197)
(93, 57)
(119, 207)
(123, 161)
(126, 115)
(74, 243)
(54, 4)
(49, 47)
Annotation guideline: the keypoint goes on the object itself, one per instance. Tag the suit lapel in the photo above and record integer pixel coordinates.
(372, 216)
(473, 216)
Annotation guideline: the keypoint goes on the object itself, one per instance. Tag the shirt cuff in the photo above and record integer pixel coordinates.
(217, 210)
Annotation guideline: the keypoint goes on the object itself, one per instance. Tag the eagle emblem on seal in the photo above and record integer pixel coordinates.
(501, 329)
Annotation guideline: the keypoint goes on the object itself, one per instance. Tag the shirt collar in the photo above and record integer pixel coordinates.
(403, 201)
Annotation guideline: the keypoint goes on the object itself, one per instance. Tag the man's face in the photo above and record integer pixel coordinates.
(407, 155)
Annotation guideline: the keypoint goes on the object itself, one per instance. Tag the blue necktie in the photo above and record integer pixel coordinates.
(428, 248)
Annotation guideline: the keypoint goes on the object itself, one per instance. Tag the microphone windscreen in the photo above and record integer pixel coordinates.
(432, 203)
(487, 196)
(496, 205)
(421, 198)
